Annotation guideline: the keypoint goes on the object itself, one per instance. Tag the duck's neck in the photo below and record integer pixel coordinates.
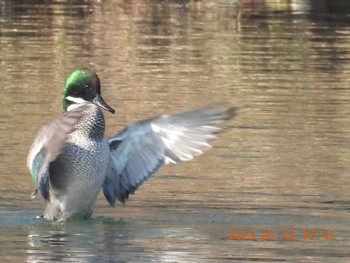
(92, 124)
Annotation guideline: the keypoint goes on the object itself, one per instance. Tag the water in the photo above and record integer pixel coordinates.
(277, 180)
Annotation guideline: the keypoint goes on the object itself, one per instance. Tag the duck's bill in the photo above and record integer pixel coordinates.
(99, 101)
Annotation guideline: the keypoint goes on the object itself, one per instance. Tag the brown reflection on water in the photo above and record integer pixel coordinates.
(284, 160)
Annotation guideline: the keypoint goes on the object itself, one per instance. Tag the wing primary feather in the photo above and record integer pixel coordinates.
(140, 149)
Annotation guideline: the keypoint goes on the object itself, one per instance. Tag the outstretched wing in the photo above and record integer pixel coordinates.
(143, 147)
(48, 144)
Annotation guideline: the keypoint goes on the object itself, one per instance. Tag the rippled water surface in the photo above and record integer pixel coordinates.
(276, 182)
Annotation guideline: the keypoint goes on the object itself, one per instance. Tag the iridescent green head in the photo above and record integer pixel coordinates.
(83, 86)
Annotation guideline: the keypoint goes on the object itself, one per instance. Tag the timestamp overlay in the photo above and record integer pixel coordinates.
(238, 234)
(288, 238)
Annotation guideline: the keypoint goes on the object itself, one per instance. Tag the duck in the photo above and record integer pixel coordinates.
(71, 159)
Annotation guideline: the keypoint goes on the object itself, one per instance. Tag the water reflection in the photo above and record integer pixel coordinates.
(72, 241)
(103, 239)
(174, 240)
(284, 163)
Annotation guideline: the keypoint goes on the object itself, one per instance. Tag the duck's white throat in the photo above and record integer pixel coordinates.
(78, 102)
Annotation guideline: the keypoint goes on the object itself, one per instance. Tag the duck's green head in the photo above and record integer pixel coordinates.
(83, 86)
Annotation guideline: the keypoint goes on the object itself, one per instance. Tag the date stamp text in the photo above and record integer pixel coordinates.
(282, 235)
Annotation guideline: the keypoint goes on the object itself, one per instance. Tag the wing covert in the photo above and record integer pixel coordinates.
(48, 144)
